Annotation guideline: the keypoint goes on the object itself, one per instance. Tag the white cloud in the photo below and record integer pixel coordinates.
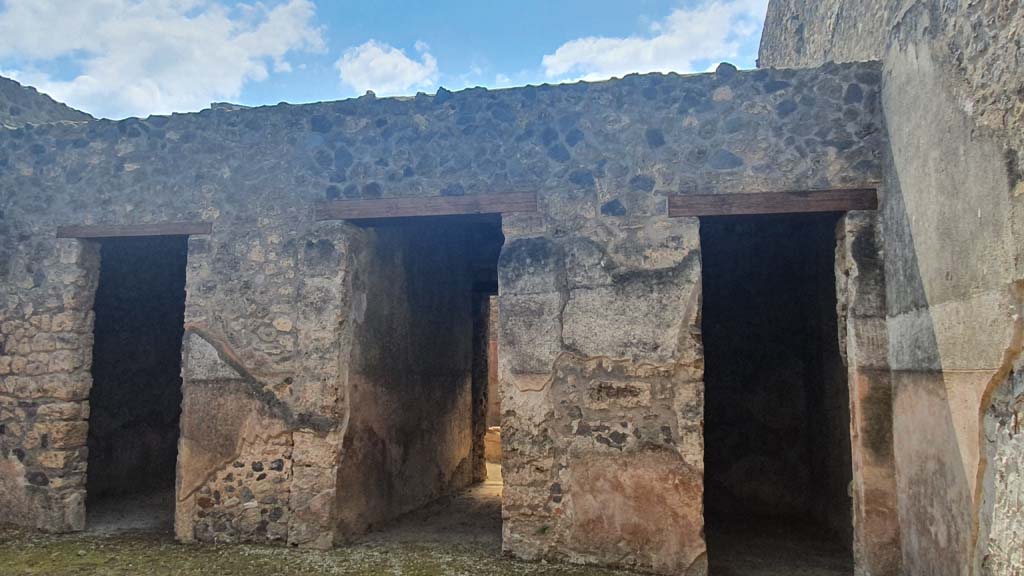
(139, 57)
(714, 30)
(385, 69)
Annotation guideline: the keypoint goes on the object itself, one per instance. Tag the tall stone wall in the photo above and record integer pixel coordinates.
(601, 431)
(266, 328)
(44, 389)
(953, 219)
(270, 297)
(1002, 530)
(493, 386)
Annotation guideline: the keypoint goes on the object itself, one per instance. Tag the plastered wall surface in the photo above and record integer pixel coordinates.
(952, 222)
(601, 423)
(863, 342)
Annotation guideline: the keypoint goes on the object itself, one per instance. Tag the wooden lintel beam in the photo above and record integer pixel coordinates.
(129, 230)
(426, 206)
(772, 202)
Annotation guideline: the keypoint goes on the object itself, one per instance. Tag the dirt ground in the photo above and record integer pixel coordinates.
(766, 547)
(453, 537)
(456, 536)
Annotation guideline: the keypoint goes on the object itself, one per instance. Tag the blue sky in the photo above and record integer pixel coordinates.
(117, 58)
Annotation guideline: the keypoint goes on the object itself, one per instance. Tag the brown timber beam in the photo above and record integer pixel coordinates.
(127, 230)
(426, 206)
(772, 202)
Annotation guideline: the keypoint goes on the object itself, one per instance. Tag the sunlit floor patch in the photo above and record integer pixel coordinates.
(473, 516)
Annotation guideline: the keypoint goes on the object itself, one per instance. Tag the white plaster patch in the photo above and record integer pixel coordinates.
(203, 362)
(359, 306)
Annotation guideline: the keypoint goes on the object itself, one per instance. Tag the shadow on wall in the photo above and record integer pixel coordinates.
(935, 508)
(418, 368)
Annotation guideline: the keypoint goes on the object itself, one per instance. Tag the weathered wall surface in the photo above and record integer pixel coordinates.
(410, 432)
(863, 342)
(266, 328)
(952, 226)
(481, 383)
(21, 105)
(269, 292)
(1003, 527)
(493, 385)
(601, 424)
(47, 347)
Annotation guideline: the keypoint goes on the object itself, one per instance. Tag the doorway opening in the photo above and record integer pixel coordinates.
(135, 400)
(777, 441)
(492, 438)
(414, 458)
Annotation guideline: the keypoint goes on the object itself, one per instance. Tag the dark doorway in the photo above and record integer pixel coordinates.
(135, 401)
(413, 463)
(777, 444)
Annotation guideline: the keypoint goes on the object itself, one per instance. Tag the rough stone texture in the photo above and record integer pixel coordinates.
(44, 392)
(1004, 484)
(493, 384)
(860, 288)
(480, 303)
(600, 354)
(21, 105)
(952, 221)
(492, 445)
(264, 315)
(224, 447)
(598, 409)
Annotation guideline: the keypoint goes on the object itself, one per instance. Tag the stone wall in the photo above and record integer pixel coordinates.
(265, 331)
(1003, 496)
(21, 105)
(493, 385)
(481, 385)
(44, 389)
(270, 297)
(601, 424)
(952, 226)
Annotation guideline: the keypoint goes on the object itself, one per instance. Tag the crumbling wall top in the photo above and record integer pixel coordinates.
(631, 140)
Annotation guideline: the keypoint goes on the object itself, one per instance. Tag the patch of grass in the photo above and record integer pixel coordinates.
(27, 553)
